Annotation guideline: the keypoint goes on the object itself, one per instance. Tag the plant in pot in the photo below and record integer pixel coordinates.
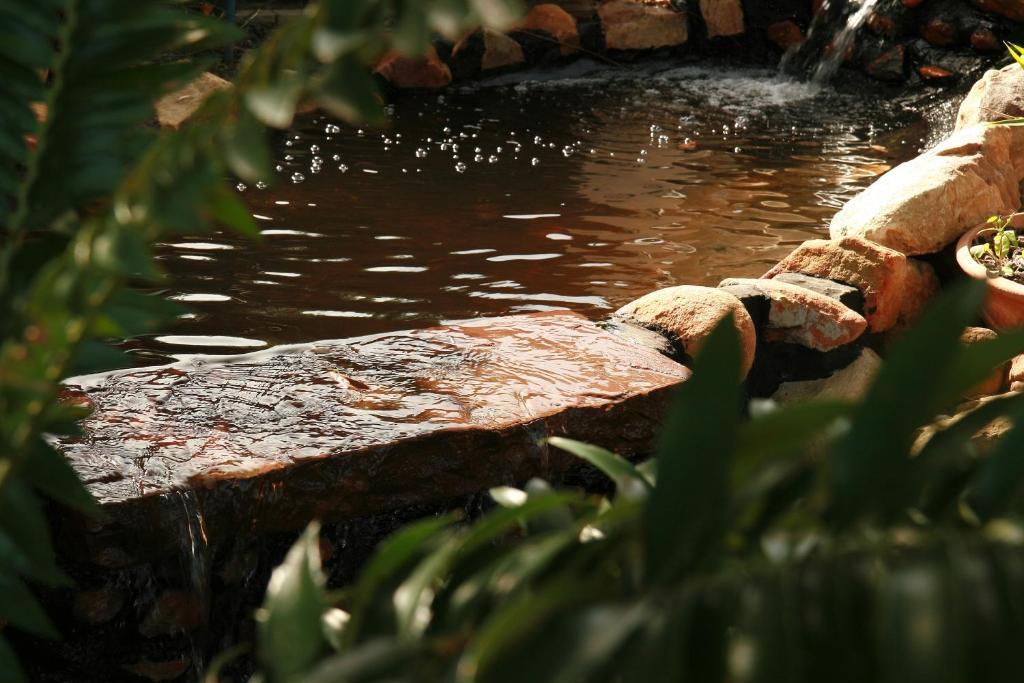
(994, 251)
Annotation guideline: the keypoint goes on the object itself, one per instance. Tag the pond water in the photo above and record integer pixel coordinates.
(582, 189)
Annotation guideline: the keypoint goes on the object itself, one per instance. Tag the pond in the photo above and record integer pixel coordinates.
(581, 189)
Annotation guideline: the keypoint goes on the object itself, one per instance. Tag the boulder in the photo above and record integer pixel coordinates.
(930, 72)
(580, 9)
(485, 50)
(994, 383)
(637, 25)
(174, 109)
(800, 316)
(688, 314)
(722, 17)
(851, 297)
(890, 65)
(415, 73)
(920, 286)
(998, 95)
(1011, 9)
(927, 203)
(881, 274)
(983, 39)
(556, 22)
(847, 384)
(785, 34)
(939, 32)
(1016, 373)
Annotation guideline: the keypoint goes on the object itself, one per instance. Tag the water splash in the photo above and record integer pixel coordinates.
(195, 553)
(825, 43)
(842, 42)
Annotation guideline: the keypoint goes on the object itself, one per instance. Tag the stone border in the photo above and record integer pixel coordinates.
(815, 324)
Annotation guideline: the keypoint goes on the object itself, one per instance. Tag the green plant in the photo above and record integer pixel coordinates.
(86, 188)
(868, 541)
(1000, 252)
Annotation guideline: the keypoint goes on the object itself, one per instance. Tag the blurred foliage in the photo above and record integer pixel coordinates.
(817, 541)
(87, 184)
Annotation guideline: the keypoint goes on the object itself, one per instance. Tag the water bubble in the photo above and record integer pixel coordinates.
(314, 148)
(343, 168)
(240, 187)
(336, 157)
(279, 168)
(492, 159)
(421, 153)
(297, 177)
(288, 157)
(331, 129)
(478, 158)
(460, 167)
(260, 185)
(534, 161)
(288, 143)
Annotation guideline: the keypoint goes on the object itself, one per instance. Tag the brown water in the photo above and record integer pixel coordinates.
(579, 193)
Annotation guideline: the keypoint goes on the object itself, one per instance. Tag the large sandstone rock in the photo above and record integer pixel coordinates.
(722, 17)
(927, 203)
(638, 25)
(262, 443)
(800, 316)
(689, 314)
(997, 95)
(174, 109)
(1016, 373)
(1011, 9)
(557, 23)
(847, 384)
(415, 73)
(894, 286)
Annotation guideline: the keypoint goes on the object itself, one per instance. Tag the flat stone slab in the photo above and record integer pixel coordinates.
(341, 429)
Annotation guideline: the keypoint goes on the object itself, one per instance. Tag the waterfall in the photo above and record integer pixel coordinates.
(825, 48)
(195, 552)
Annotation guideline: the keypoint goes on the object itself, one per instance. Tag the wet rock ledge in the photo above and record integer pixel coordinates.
(337, 430)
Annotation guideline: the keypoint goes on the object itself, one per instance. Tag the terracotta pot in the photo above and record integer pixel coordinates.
(1004, 306)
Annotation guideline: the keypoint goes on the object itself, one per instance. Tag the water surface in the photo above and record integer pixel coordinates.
(582, 190)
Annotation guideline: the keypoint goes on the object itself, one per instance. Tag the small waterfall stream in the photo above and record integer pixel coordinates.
(829, 38)
(196, 564)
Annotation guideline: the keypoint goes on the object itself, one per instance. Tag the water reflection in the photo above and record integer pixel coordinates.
(580, 193)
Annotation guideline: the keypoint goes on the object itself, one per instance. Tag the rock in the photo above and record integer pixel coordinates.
(777, 363)
(939, 32)
(556, 22)
(878, 272)
(890, 65)
(912, 3)
(689, 314)
(169, 670)
(785, 34)
(998, 95)
(580, 9)
(346, 429)
(882, 25)
(414, 73)
(846, 384)
(800, 316)
(635, 25)
(722, 17)
(1015, 376)
(95, 607)
(934, 73)
(645, 337)
(994, 383)
(920, 286)
(174, 109)
(485, 50)
(174, 612)
(927, 203)
(982, 440)
(984, 40)
(1011, 9)
(851, 297)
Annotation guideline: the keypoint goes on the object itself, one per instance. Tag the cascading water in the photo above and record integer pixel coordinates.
(195, 547)
(829, 39)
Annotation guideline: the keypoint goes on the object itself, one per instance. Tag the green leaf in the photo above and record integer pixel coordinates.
(909, 390)
(19, 607)
(274, 104)
(629, 482)
(245, 149)
(228, 209)
(289, 628)
(10, 669)
(348, 92)
(687, 514)
(50, 472)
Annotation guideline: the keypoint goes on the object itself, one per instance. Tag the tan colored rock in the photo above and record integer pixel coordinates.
(580, 9)
(556, 22)
(174, 109)
(634, 25)
(927, 203)
(1011, 9)
(689, 314)
(417, 73)
(1015, 376)
(499, 50)
(849, 384)
(722, 17)
(994, 383)
(920, 286)
(800, 316)
(880, 273)
(785, 34)
(999, 94)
